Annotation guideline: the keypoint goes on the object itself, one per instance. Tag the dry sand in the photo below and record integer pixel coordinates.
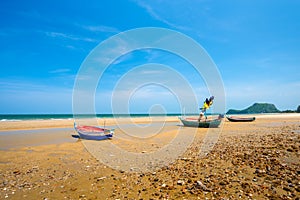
(253, 160)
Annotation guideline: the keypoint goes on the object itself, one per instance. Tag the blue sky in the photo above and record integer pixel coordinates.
(254, 44)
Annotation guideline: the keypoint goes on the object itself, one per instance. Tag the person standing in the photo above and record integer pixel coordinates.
(207, 103)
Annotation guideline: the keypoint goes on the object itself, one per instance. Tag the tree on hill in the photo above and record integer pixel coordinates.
(298, 109)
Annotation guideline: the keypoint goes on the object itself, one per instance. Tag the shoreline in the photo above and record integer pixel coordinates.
(69, 123)
(14, 134)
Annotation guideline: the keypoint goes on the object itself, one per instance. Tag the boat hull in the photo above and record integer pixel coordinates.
(241, 119)
(93, 132)
(202, 124)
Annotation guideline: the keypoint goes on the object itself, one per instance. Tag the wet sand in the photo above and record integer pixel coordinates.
(253, 160)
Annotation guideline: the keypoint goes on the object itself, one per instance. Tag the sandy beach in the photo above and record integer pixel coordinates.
(251, 160)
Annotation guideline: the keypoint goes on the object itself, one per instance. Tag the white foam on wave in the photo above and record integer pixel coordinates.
(10, 120)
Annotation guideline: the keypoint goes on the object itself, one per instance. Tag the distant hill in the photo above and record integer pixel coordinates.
(256, 108)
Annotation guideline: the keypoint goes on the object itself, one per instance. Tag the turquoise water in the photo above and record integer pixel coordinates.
(21, 117)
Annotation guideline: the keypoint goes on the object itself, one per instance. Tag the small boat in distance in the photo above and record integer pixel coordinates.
(241, 119)
(193, 122)
(93, 132)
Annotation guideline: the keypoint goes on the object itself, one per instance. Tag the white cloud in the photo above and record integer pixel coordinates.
(151, 72)
(106, 54)
(198, 18)
(70, 37)
(151, 10)
(100, 28)
(58, 71)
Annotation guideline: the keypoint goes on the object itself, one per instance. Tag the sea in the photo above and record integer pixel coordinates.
(22, 117)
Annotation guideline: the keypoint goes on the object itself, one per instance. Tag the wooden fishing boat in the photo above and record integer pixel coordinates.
(241, 119)
(193, 122)
(93, 132)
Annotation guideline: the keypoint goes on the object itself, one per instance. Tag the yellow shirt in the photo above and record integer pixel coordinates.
(206, 106)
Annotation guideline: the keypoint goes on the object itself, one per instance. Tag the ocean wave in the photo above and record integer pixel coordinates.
(10, 120)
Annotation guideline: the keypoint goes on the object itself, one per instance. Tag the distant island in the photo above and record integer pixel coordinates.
(256, 108)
